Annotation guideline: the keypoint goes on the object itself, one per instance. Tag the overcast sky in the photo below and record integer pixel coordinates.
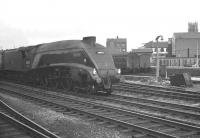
(27, 22)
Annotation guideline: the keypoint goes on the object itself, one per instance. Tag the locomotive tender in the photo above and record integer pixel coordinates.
(70, 64)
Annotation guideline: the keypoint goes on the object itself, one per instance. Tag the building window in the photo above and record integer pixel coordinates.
(111, 44)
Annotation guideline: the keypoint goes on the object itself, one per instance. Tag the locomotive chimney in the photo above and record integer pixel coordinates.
(91, 40)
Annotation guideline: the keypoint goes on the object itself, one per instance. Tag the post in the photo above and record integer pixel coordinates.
(157, 56)
(157, 62)
(197, 64)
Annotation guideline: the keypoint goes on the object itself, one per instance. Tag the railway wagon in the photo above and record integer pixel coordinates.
(71, 64)
(138, 62)
(132, 62)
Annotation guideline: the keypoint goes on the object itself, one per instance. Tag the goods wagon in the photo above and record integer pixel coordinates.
(138, 62)
(132, 62)
(71, 64)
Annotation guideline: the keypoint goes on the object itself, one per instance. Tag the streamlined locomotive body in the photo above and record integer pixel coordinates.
(71, 64)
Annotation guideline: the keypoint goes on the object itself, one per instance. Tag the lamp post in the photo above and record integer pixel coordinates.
(157, 57)
(197, 64)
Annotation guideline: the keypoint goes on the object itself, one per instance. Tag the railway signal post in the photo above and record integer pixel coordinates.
(157, 57)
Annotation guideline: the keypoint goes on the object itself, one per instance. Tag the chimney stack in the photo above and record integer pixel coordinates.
(91, 40)
(193, 27)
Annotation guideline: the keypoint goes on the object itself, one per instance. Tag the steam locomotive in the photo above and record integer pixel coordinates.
(71, 65)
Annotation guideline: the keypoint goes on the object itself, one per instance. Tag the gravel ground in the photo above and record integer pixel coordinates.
(63, 125)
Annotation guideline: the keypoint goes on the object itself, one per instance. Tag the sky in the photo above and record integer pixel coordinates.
(30, 22)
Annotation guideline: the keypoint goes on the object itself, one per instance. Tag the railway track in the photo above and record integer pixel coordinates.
(158, 91)
(173, 111)
(137, 124)
(15, 125)
(165, 109)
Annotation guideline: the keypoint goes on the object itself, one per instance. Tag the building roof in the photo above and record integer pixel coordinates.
(142, 50)
(117, 39)
(186, 35)
(152, 44)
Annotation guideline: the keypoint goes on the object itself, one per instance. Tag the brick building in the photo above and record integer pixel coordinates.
(116, 45)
